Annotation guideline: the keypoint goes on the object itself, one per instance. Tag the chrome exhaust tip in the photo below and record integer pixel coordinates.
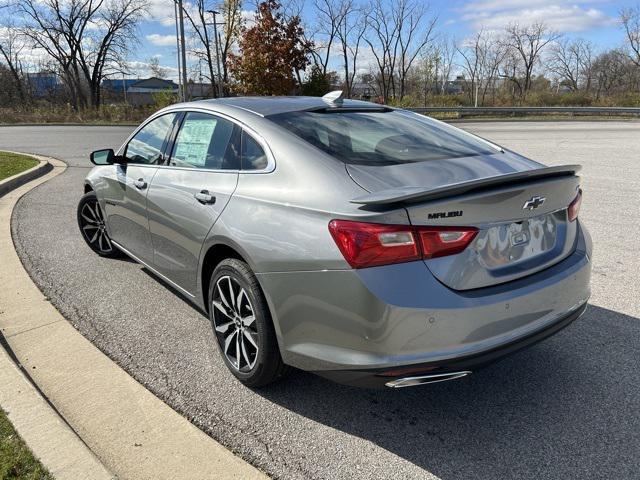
(424, 379)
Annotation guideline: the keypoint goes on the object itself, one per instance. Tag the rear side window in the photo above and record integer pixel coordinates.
(146, 146)
(253, 155)
(378, 137)
(206, 141)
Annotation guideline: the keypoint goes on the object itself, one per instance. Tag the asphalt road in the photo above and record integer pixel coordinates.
(566, 408)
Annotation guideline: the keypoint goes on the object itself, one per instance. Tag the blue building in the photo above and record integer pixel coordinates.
(43, 83)
(118, 84)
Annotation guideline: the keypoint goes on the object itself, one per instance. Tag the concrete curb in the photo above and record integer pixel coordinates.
(21, 178)
(46, 434)
(44, 431)
(130, 431)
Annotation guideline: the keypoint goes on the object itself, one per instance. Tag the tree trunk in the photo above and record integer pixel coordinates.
(15, 74)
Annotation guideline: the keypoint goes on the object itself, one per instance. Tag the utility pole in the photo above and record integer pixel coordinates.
(215, 35)
(180, 90)
(477, 87)
(124, 88)
(183, 52)
(437, 60)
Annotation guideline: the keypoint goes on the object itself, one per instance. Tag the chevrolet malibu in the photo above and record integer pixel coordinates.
(370, 245)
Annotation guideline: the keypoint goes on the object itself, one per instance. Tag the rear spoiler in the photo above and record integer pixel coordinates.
(421, 194)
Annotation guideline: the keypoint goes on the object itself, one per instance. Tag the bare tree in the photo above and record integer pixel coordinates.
(87, 39)
(528, 42)
(426, 73)
(370, 79)
(113, 34)
(571, 61)
(381, 37)
(397, 33)
(330, 15)
(494, 56)
(611, 71)
(414, 34)
(55, 30)
(510, 70)
(483, 56)
(630, 19)
(445, 52)
(293, 11)
(472, 55)
(156, 69)
(10, 47)
(350, 35)
(231, 11)
(199, 18)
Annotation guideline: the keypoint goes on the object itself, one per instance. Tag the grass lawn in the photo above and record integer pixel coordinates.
(16, 461)
(11, 163)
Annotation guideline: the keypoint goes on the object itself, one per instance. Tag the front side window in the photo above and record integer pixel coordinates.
(253, 156)
(146, 146)
(207, 141)
(379, 137)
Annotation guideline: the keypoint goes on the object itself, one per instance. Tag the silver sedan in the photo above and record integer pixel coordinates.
(370, 245)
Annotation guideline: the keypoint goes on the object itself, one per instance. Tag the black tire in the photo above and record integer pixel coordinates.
(92, 227)
(233, 327)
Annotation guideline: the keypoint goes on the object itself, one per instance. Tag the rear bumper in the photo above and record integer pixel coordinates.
(347, 324)
(380, 377)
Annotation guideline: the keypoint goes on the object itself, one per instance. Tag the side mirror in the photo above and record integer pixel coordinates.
(105, 157)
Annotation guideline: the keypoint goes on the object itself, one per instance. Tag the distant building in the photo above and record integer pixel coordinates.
(43, 84)
(137, 91)
(118, 84)
(152, 85)
(454, 87)
(197, 90)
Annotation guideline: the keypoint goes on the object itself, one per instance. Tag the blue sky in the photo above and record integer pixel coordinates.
(595, 20)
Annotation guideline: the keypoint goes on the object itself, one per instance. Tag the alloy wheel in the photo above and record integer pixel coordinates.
(93, 227)
(235, 324)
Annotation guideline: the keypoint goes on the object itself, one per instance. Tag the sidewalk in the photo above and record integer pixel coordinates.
(45, 433)
(131, 432)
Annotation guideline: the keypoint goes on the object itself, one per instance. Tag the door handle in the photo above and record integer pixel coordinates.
(140, 184)
(205, 197)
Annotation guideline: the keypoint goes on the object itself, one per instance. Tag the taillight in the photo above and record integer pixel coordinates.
(574, 206)
(371, 244)
(443, 241)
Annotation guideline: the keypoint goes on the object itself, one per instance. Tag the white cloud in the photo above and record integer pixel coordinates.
(162, 11)
(562, 15)
(97, 24)
(31, 58)
(248, 17)
(161, 40)
(366, 61)
(141, 70)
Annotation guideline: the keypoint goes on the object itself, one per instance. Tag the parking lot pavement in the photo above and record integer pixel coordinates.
(566, 408)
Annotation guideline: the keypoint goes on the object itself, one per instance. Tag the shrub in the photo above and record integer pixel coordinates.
(164, 98)
(575, 99)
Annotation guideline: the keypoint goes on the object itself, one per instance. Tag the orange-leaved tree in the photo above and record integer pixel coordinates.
(271, 51)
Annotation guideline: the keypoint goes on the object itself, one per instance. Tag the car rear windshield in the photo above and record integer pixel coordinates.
(380, 138)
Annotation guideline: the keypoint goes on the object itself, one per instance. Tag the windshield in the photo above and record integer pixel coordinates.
(380, 138)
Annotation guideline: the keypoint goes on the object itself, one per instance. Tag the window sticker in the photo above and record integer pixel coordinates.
(194, 139)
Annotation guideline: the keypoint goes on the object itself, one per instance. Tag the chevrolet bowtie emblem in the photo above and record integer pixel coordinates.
(533, 203)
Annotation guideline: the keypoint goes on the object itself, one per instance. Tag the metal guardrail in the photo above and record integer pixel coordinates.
(518, 111)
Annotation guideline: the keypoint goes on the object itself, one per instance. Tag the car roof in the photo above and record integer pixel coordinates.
(265, 106)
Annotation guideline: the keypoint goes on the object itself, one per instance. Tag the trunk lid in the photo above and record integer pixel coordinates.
(436, 173)
(519, 207)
